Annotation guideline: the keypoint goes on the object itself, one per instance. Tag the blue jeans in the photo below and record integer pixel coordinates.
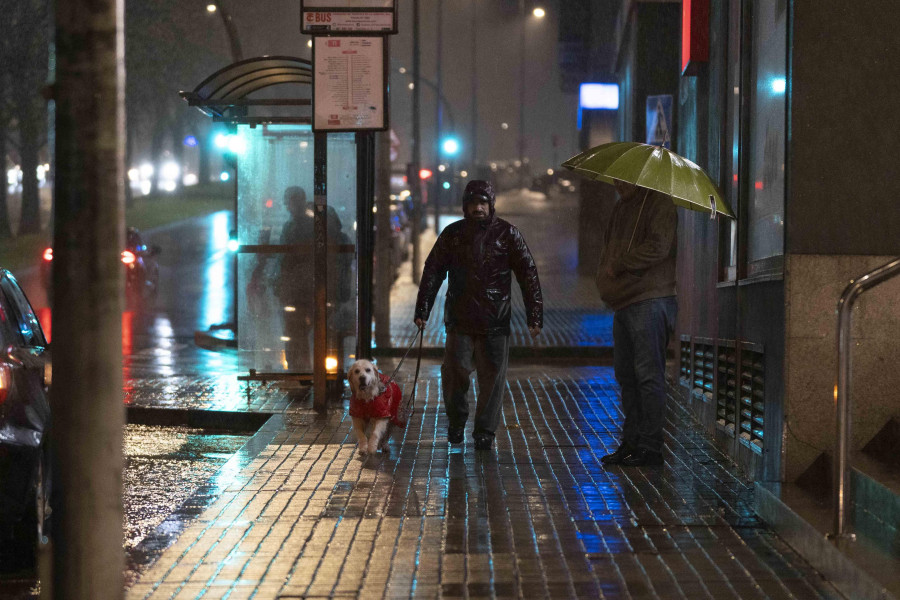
(640, 336)
(488, 355)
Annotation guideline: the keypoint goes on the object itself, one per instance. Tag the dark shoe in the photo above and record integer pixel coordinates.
(616, 457)
(455, 435)
(642, 457)
(483, 442)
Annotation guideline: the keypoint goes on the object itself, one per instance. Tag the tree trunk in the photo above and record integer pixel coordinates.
(29, 132)
(87, 301)
(5, 229)
(178, 129)
(156, 151)
(204, 143)
(129, 156)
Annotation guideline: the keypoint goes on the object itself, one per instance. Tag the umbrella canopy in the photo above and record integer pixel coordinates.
(652, 167)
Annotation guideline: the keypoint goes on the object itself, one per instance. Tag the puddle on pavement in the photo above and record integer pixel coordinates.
(164, 467)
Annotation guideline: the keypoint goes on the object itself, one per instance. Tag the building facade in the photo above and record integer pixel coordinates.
(790, 112)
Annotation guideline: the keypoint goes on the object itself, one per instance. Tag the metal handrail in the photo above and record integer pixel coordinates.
(842, 389)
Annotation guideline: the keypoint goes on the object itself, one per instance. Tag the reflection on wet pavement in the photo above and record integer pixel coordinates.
(163, 467)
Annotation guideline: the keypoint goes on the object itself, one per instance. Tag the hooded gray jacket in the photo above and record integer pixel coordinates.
(639, 250)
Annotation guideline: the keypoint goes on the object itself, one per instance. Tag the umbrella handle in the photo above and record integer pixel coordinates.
(640, 212)
(712, 207)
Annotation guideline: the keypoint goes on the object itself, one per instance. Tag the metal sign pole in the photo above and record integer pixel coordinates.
(320, 336)
(365, 246)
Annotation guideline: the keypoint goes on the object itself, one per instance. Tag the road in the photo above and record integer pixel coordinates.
(196, 274)
(164, 465)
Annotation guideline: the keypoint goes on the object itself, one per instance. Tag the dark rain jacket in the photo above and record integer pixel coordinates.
(640, 249)
(480, 260)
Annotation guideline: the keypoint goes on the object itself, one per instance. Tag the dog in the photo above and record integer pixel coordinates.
(376, 400)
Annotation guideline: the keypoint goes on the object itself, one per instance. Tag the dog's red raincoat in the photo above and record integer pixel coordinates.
(385, 405)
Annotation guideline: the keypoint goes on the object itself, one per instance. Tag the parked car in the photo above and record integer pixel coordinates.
(141, 270)
(25, 377)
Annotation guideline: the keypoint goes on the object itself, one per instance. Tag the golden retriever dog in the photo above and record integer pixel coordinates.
(376, 402)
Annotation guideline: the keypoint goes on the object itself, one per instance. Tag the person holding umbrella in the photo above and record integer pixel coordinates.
(636, 279)
(636, 276)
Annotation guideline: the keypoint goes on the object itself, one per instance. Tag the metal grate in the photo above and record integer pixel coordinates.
(726, 391)
(685, 357)
(752, 415)
(703, 369)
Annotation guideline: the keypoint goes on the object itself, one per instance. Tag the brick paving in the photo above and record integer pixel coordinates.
(538, 517)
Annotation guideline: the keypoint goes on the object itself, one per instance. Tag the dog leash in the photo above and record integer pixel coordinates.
(400, 364)
(421, 335)
(412, 394)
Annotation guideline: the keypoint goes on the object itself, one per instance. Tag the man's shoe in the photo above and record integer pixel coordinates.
(483, 442)
(616, 457)
(642, 457)
(455, 435)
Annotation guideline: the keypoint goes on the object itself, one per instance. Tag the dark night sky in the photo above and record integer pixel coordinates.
(273, 27)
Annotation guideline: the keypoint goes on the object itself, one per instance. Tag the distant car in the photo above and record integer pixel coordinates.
(25, 374)
(141, 270)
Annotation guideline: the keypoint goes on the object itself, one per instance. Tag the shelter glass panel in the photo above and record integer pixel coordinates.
(767, 136)
(275, 226)
(342, 281)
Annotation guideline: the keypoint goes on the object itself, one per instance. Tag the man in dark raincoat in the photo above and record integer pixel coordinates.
(636, 279)
(480, 254)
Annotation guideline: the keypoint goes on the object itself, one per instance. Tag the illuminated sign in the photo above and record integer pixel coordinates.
(599, 95)
(694, 35)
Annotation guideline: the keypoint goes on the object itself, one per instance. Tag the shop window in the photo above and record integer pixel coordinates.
(766, 147)
(755, 140)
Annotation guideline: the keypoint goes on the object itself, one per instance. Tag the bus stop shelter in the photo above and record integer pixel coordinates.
(303, 221)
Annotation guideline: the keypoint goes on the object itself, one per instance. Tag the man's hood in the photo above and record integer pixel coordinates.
(479, 188)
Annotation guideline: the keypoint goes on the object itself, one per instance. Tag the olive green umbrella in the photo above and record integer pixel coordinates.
(652, 167)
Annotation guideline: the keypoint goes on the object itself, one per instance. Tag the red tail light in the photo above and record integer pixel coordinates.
(48, 254)
(5, 381)
(127, 257)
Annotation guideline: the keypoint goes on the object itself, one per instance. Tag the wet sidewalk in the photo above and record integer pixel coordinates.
(538, 517)
(298, 514)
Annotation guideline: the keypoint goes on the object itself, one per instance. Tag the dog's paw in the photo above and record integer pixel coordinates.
(363, 448)
(373, 447)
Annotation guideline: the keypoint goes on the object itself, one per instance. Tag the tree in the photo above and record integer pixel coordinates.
(27, 41)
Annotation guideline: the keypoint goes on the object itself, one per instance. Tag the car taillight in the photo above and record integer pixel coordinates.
(5, 381)
(127, 257)
(48, 254)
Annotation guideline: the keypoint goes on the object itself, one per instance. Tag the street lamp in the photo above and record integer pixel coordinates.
(538, 13)
(230, 29)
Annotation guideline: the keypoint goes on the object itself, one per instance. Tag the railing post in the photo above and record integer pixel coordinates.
(843, 406)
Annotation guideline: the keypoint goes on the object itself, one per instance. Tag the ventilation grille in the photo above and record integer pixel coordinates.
(685, 355)
(752, 395)
(726, 393)
(703, 369)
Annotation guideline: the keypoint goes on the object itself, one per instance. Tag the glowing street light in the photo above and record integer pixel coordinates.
(450, 146)
(538, 12)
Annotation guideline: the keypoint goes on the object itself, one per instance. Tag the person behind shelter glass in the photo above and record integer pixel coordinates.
(295, 281)
(636, 279)
(479, 253)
